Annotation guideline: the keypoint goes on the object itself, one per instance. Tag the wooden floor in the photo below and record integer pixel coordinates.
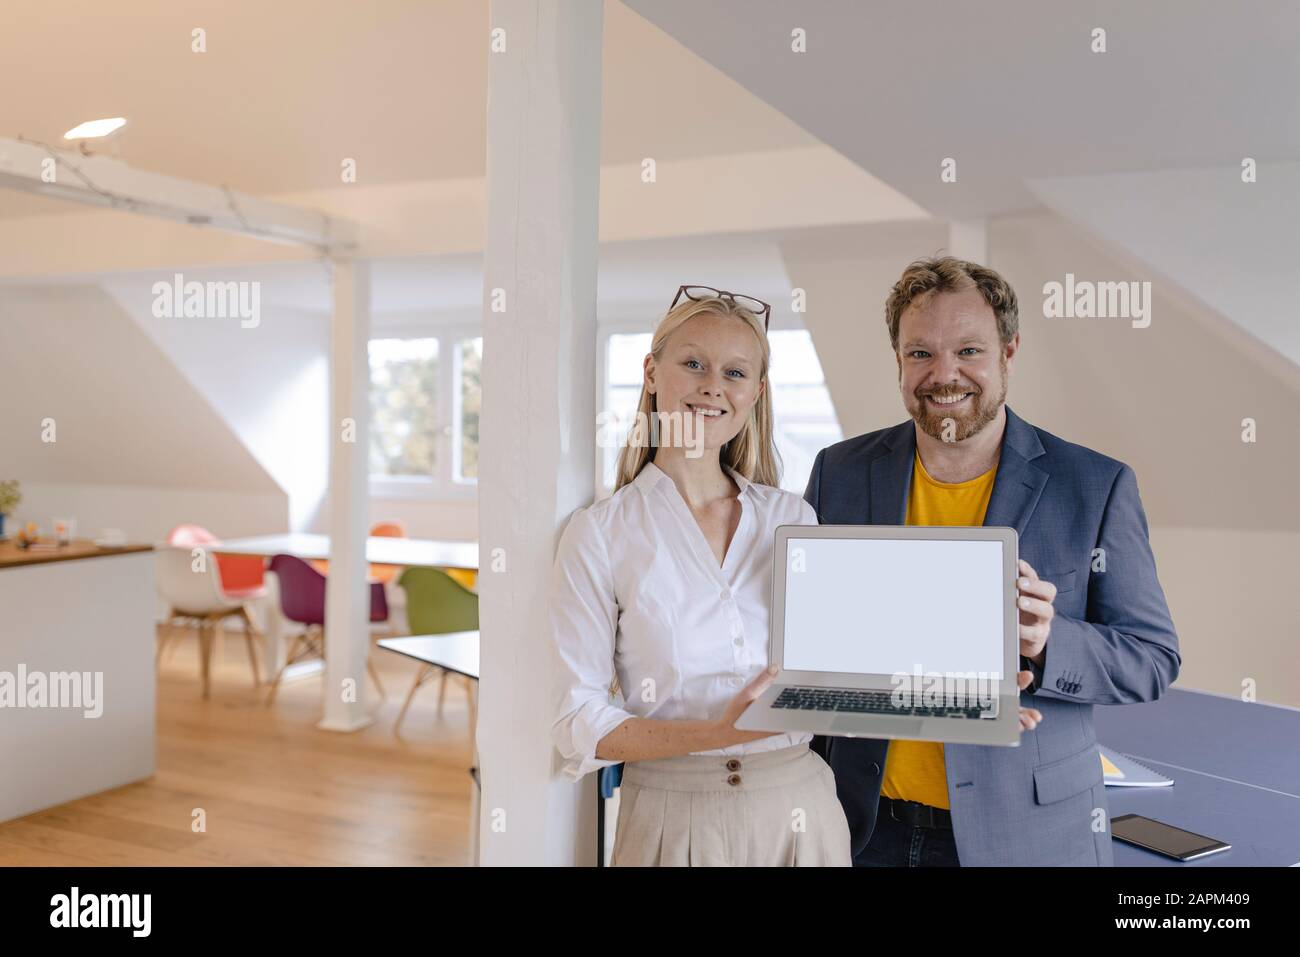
(274, 790)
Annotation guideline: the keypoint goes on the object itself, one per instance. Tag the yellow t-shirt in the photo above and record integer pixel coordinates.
(914, 770)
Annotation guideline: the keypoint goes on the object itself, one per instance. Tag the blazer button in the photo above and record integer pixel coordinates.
(733, 779)
(1060, 684)
(875, 768)
(733, 765)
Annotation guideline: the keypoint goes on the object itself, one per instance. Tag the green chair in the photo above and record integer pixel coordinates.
(436, 604)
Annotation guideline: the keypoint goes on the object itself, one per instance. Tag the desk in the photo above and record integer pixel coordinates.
(456, 652)
(1236, 771)
(379, 551)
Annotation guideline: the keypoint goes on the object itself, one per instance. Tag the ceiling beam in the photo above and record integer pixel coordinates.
(111, 183)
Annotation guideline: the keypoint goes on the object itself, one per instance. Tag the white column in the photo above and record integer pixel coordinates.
(968, 239)
(537, 431)
(347, 597)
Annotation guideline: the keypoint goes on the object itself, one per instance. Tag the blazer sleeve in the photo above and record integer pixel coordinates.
(813, 493)
(1127, 650)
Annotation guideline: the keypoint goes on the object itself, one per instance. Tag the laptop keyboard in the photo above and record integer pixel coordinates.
(857, 701)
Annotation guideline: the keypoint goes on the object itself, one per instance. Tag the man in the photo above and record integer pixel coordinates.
(1094, 625)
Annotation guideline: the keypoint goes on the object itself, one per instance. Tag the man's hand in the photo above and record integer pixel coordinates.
(1029, 717)
(1036, 613)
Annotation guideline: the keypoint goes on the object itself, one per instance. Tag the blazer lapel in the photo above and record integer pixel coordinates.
(891, 477)
(1019, 483)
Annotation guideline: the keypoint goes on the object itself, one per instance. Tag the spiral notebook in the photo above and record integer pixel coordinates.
(1123, 772)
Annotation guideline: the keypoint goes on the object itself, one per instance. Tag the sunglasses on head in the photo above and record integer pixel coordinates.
(699, 293)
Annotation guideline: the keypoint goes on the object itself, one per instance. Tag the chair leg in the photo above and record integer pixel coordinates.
(249, 632)
(288, 660)
(442, 691)
(206, 633)
(167, 643)
(168, 633)
(420, 678)
(374, 676)
(471, 689)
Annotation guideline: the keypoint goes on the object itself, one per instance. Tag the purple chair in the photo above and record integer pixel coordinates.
(302, 600)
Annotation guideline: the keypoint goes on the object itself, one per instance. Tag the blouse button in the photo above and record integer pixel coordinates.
(739, 641)
(733, 779)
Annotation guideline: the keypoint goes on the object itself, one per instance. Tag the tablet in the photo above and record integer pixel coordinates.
(1163, 838)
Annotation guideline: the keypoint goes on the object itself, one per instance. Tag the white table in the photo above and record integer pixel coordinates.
(379, 551)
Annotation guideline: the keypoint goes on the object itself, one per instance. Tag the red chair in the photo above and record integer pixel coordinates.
(241, 575)
(302, 600)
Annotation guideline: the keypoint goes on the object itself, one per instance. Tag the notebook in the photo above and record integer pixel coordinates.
(1123, 772)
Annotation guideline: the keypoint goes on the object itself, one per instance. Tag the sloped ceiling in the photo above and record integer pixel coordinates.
(123, 414)
(1011, 90)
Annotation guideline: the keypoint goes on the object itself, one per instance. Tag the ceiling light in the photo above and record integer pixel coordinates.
(93, 129)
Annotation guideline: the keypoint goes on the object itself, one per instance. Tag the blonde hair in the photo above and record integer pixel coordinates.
(752, 453)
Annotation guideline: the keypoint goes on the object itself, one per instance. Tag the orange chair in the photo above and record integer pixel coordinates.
(241, 575)
(377, 573)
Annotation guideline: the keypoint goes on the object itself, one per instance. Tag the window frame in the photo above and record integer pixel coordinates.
(443, 485)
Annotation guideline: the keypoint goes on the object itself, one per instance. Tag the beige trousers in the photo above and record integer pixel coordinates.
(772, 809)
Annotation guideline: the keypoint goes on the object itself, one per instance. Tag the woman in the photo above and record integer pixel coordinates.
(664, 587)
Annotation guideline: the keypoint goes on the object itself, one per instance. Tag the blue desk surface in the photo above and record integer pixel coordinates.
(1236, 771)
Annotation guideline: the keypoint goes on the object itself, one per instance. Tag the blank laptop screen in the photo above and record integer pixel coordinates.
(893, 606)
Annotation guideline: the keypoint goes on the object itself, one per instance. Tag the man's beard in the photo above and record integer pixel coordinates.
(984, 409)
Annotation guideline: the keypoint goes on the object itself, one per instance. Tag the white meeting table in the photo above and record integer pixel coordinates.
(410, 552)
(379, 550)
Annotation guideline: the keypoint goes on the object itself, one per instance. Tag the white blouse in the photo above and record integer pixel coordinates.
(638, 594)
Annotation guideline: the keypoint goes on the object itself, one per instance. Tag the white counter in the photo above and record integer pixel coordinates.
(90, 616)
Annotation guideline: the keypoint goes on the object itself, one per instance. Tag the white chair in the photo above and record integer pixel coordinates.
(190, 582)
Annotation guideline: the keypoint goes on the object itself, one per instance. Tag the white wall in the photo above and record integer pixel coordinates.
(1233, 249)
(147, 514)
(122, 412)
(269, 382)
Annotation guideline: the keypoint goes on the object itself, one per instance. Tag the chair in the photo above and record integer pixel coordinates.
(190, 582)
(380, 573)
(386, 573)
(239, 573)
(436, 604)
(302, 600)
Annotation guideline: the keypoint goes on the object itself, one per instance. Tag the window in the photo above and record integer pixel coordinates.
(623, 364)
(804, 418)
(802, 412)
(403, 407)
(470, 380)
(425, 396)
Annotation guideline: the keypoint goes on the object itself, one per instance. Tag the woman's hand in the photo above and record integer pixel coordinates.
(737, 705)
(1029, 717)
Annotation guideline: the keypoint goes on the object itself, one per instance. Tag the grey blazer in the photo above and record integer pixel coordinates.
(1112, 641)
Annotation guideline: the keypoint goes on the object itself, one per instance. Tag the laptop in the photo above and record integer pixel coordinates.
(901, 632)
